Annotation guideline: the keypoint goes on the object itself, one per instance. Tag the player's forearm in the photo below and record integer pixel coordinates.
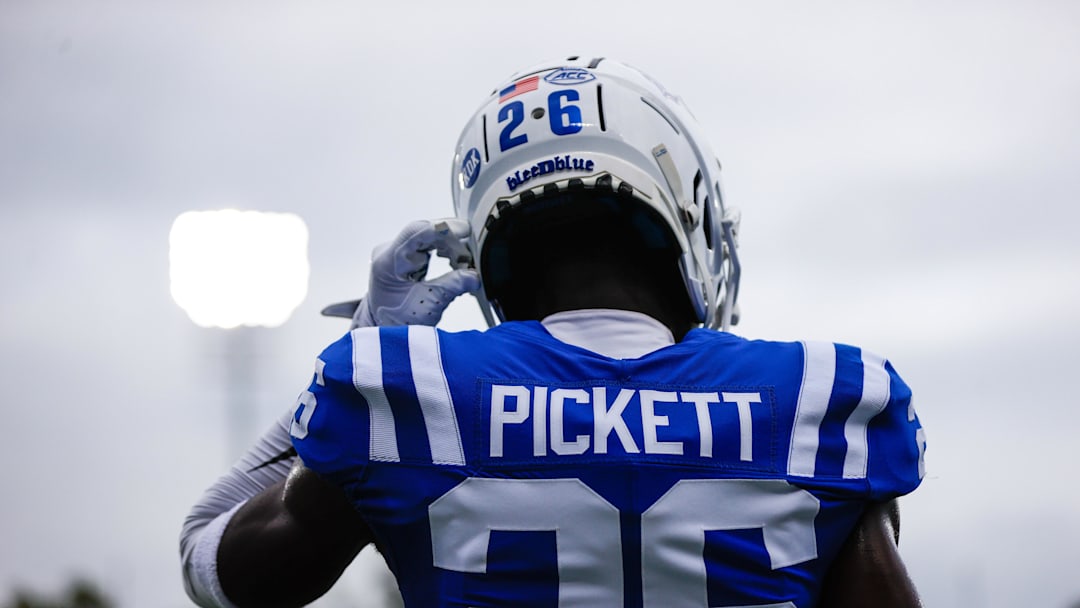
(869, 571)
(265, 463)
(288, 545)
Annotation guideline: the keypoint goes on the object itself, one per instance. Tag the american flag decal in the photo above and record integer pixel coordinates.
(522, 86)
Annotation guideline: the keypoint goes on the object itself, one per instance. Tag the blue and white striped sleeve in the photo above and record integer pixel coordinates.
(332, 417)
(897, 443)
(854, 426)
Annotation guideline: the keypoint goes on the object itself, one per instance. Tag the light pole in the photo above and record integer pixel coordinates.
(237, 271)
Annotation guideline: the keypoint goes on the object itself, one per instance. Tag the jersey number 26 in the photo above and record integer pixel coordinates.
(587, 532)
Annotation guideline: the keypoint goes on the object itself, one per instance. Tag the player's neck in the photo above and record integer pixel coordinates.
(589, 288)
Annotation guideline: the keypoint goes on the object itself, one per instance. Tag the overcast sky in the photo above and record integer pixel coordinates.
(909, 178)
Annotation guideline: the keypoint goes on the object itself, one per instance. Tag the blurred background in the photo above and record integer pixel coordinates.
(908, 175)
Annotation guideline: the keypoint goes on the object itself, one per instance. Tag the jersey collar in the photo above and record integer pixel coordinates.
(617, 334)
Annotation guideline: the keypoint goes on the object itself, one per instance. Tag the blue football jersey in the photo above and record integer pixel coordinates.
(507, 468)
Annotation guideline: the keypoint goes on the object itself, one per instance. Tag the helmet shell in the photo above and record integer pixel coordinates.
(599, 123)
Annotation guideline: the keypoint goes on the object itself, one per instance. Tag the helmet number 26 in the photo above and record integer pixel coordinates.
(563, 116)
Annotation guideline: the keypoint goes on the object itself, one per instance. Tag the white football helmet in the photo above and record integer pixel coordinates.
(599, 124)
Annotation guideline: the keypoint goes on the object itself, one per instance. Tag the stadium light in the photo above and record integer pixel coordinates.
(230, 268)
(239, 271)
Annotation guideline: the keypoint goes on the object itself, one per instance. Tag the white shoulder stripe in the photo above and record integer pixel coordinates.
(875, 396)
(368, 380)
(433, 392)
(819, 372)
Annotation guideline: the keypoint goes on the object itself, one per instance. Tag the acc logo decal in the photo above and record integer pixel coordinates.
(470, 167)
(569, 76)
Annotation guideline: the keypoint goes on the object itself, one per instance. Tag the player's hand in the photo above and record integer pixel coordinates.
(399, 292)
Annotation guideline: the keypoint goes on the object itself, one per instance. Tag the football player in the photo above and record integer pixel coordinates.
(607, 442)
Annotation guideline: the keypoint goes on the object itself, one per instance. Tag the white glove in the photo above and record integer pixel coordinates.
(398, 293)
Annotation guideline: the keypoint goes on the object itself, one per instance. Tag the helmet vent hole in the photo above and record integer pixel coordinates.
(487, 157)
(707, 223)
(538, 113)
(701, 199)
(600, 105)
(595, 62)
